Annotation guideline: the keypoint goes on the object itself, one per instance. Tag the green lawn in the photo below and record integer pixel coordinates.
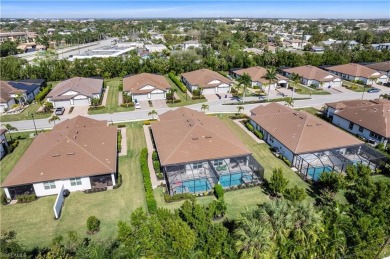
(185, 100)
(307, 90)
(355, 87)
(310, 110)
(112, 98)
(34, 222)
(26, 114)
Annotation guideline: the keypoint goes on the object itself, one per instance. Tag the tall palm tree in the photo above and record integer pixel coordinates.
(152, 113)
(243, 82)
(296, 79)
(204, 107)
(289, 101)
(54, 118)
(240, 109)
(10, 128)
(271, 76)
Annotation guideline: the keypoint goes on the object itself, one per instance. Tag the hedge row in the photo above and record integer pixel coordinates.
(119, 141)
(253, 130)
(42, 94)
(178, 197)
(150, 201)
(266, 101)
(218, 191)
(96, 108)
(177, 82)
(26, 198)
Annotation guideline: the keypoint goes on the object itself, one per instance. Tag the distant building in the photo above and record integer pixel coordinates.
(17, 36)
(382, 67)
(191, 44)
(155, 48)
(103, 52)
(50, 31)
(311, 75)
(381, 46)
(353, 72)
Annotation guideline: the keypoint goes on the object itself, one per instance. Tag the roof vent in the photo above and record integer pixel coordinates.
(70, 153)
(319, 124)
(301, 117)
(55, 155)
(195, 138)
(309, 125)
(208, 136)
(74, 136)
(190, 124)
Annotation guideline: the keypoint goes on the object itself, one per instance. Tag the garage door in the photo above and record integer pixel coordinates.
(61, 104)
(223, 90)
(157, 96)
(209, 91)
(140, 97)
(80, 102)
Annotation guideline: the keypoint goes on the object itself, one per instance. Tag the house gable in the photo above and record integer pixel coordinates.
(71, 92)
(215, 81)
(147, 87)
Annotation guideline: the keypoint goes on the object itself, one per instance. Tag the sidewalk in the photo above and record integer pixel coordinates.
(104, 101)
(238, 122)
(153, 177)
(123, 142)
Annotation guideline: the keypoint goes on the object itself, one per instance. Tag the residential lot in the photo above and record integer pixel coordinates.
(185, 99)
(34, 222)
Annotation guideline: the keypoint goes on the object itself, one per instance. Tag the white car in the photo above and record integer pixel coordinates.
(137, 105)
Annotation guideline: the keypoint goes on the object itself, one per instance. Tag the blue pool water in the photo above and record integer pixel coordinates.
(198, 185)
(315, 172)
(233, 179)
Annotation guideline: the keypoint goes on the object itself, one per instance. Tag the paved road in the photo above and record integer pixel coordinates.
(217, 106)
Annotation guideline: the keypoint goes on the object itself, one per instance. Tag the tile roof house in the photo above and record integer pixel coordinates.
(146, 86)
(353, 72)
(79, 154)
(382, 67)
(258, 76)
(3, 143)
(303, 138)
(76, 91)
(311, 75)
(369, 119)
(210, 81)
(191, 44)
(196, 151)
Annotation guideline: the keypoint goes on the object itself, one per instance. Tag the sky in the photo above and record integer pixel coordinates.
(347, 9)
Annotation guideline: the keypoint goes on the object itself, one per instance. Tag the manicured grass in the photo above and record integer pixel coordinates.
(182, 96)
(381, 177)
(112, 98)
(308, 90)
(34, 222)
(355, 87)
(310, 110)
(26, 114)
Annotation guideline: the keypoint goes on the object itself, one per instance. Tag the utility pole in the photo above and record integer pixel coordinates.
(35, 127)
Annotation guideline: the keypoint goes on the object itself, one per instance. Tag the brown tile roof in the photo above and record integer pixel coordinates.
(271, 108)
(257, 74)
(380, 66)
(134, 84)
(302, 132)
(82, 85)
(6, 89)
(74, 148)
(203, 77)
(373, 115)
(189, 139)
(355, 70)
(312, 73)
(2, 131)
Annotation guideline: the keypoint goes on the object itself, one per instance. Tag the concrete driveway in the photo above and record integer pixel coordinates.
(159, 104)
(144, 105)
(77, 110)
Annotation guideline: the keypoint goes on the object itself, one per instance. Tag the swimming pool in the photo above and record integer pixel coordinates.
(193, 186)
(315, 172)
(234, 179)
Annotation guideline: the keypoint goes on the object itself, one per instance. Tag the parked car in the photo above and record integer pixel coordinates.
(137, 105)
(373, 90)
(60, 110)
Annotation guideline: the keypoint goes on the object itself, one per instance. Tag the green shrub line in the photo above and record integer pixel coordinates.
(218, 191)
(253, 130)
(176, 81)
(150, 201)
(96, 108)
(119, 141)
(26, 198)
(178, 197)
(42, 94)
(118, 181)
(266, 101)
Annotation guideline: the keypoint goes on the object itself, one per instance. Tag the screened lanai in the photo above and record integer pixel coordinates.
(201, 176)
(312, 165)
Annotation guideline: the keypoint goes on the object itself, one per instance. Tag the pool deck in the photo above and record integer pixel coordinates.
(238, 122)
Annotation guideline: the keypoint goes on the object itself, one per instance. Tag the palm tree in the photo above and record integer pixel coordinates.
(10, 128)
(244, 81)
(152, 113)
(204, 107)
(54, 118)
(171, 92)
(240, 109)
(271, 76)
(289, 101)
(20, 98)
(384, 96)
(296, 79)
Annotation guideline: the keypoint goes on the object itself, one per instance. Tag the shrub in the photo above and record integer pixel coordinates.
(285, 160)
(127, 105)
(249, 126)
(4, 199)
(157, 167)
(154, 156)
(238, 116)
(217, 208)
(93, 190)
(197, 92)
(121, 126)
(278, 182)
(223, 73)
(381, 147)
(120, 87)
(332, 181)
(150, 201)
(119, 141)
(93, 224)
(118, 181)
(160, 176)
(258, 134)
(295, 194)
(198, 97)
(42, 94)
(218, 191)
(71, 110)
(177, 82)
(178, 197)
(96, 108)
(26, 198)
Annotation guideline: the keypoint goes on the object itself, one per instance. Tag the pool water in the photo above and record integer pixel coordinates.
(315, 172)
(193, 186)
(233, 179)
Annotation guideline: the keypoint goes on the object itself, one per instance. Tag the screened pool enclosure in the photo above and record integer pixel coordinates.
(312, 165)
(201, 176)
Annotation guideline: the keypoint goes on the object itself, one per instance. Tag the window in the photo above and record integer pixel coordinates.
(376, 136)
(75, 181)
(361, 129)
(218, 162)
(49, 185)
(350, 125)
(271, 139)
(197, 165)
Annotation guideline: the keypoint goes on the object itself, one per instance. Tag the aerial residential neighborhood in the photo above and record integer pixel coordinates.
(195, 129)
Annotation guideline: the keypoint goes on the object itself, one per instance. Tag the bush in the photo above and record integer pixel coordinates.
(121, 126)
(157, 167)
(218, 191)
(119, 141)
(26, 198)
(278, 182)
(258, 134)
(4, 199)
(238, 116)
(118, 181)
(198, 97)
(96, 108)
(42, 94)
(127, 105)
(197, 92)
(249, 126)
(285, 160)
(178, 197)
(120, 87)
(154, 156)
(217, 209)
(177, 82)
(295, 194)
(93, 190)
(150, 201)
(332, 181)
(12, 146)
(93, 224)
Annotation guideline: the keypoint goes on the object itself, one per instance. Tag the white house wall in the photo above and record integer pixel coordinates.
(40, 189)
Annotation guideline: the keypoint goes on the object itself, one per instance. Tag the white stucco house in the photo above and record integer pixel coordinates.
(258, 76)
(381, 67)
(353, 72)
(209, 81)
(79, 154)
(368, 119)
(191, 44)
(146, 86)
(311, 75)
(77, 91)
